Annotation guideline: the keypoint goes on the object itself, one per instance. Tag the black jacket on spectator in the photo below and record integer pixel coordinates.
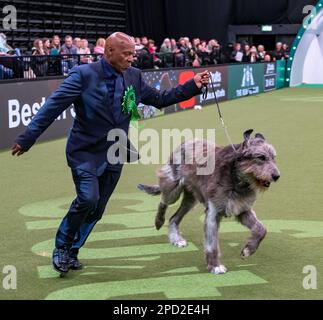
(145, 59)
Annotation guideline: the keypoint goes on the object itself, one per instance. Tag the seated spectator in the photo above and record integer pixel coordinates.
(145, 59)
(138, 44)
(99, 46)
(246, 53)
(166, 54)
(267, 58)
(85, 52)
(203, 55)
(39, 64)
(144, 42)
(279, 53)
(174, 46)
(5, 49)
(204, 46)
(187, 42)
(261, 52)
(152, 50)
(166, 47)
(38, 48)
(184, 49)
(286, 50)
(179, 56)
(68, 47)
(237, 53)
(195, 43)
(5, 66)
(78, 44)
(252, 56)
(46, 46)
(55, 45)
(190, 54)
(214, 49)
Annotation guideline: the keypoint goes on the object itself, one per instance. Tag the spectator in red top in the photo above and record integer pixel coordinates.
(152, 50)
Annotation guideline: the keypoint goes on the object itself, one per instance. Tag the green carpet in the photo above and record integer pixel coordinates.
(126, 258)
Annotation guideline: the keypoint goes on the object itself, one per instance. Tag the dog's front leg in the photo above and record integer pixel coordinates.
(211, 243)
(258, 232)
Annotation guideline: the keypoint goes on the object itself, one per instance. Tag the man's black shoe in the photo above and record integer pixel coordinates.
(75, 264)
(61, 260)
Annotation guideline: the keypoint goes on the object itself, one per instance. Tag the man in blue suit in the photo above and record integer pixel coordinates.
(96, 90)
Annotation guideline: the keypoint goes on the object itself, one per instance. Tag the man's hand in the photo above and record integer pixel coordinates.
(17, 149)
(202, 79)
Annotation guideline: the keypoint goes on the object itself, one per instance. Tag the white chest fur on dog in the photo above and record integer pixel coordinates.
(239, 205)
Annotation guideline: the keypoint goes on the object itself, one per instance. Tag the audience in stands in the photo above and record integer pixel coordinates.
(184, 53)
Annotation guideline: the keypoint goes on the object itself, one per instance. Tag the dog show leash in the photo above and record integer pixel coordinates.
(204, 96)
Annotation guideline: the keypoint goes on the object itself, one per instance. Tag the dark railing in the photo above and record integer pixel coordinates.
(29, 67)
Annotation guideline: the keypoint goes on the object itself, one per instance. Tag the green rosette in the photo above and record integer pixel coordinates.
(129, 105)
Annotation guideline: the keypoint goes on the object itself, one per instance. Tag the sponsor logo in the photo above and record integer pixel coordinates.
(270, 68)
(22, 114)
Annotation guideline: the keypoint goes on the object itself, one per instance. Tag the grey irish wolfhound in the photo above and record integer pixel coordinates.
(230, 188)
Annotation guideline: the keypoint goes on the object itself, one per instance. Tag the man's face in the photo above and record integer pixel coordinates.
(68, 42)
(121, 54)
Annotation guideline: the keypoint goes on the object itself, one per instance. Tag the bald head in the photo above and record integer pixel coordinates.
(119, 50)
(119, 38)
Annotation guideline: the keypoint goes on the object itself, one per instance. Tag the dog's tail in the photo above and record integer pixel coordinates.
(153, 190)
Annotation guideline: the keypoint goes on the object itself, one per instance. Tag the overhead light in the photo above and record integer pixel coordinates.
(266, 28)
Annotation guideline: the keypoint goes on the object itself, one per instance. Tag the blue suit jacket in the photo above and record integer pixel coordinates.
(85, 86)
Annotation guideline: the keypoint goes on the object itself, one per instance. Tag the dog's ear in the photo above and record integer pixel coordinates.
(260, 136)
(246, 134)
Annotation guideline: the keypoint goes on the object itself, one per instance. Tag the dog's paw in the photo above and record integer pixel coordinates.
(245, 253)
(159, 223)
(221, 269)
(181, 243)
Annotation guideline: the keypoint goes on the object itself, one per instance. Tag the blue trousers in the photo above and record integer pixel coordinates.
(87, 209)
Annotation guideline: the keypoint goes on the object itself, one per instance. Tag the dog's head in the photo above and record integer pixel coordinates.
(256, 161)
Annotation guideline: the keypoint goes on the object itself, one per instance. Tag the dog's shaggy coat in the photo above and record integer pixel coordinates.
(224, 180)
